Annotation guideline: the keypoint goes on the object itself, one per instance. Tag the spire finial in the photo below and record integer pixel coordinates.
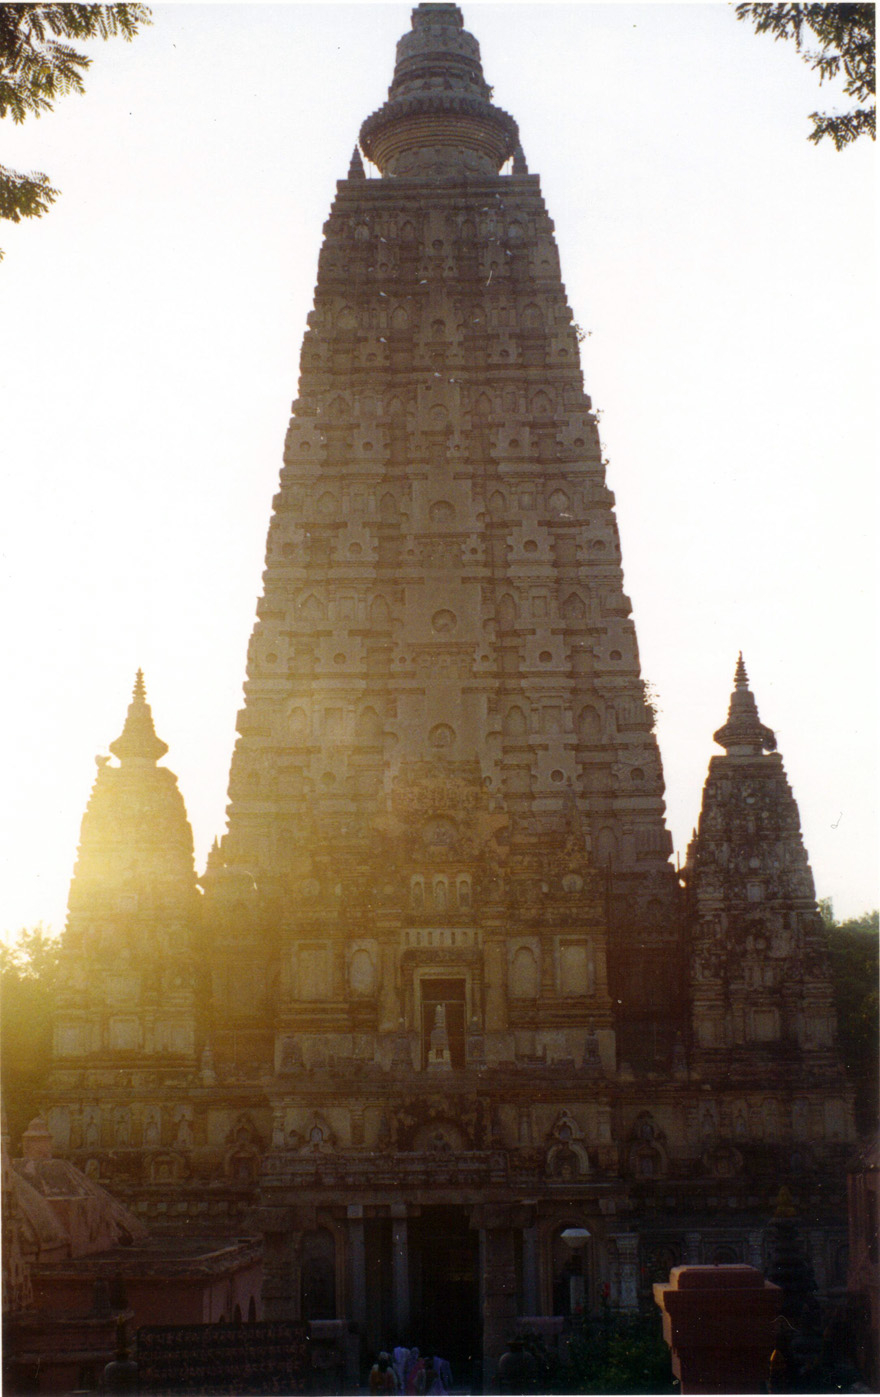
(439, 120)
(356, 168)
(740, 678)
(138, 740)
(520, 167)
(744, 734)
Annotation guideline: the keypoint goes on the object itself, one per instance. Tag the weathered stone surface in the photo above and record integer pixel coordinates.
(129, 979)
(761, 994)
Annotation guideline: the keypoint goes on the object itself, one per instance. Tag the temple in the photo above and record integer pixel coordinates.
(441, 1021)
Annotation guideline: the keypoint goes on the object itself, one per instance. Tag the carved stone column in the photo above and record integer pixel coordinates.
(280, 1294)
(817, 1252)
(294, 1253)
(628, 1261)
(357, 1262)
(498, 1290)
(531, 1287)
(389, 1000)
(496, 1003)
(399, 1271)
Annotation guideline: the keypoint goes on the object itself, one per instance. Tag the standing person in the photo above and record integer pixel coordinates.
(382, 1379)
(400, 1358)
(442, 1367)
(433, 1379)
(415, 1374)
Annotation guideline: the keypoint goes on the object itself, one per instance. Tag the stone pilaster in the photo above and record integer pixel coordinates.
(498, 1288)
(280, 1295)
(531, 1273)
(628, 1262)
(400, 1271)
(357, 1272)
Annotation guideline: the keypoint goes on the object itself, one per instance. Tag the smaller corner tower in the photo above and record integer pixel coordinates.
(761, 992)
(127, 1000)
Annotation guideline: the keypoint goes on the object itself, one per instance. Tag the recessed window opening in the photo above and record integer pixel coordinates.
(450, 995)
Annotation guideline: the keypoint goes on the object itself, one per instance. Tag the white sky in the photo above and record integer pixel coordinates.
(152, 321)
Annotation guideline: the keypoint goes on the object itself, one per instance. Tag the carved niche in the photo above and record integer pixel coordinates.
(566, 1157)
(646, 1154)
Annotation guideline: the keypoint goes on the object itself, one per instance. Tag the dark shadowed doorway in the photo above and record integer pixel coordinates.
(444, 1279)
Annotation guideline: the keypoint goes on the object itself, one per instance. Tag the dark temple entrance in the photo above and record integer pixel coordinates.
(444, 1280)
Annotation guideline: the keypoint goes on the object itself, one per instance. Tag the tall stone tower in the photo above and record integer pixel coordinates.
(445, 722)
(444, 1020)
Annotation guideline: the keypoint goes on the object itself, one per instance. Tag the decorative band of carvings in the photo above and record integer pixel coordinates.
(438, 119)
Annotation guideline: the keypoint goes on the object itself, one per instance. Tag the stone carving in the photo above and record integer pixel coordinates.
(438, 1053)
(646, 1154)
(122, 1126)
(567, 1157)
(290, 1058)
(591, 1064)
(183, 1116)
(91, 1127)
(206, 1066)
(401, 1052)
(722, 1162)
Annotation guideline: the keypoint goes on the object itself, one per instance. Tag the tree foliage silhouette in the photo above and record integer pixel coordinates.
(37, 66)
(28, 982)
(846, 48)
(853, 946)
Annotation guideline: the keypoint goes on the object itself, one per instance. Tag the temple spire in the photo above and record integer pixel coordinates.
(138, 740)
(744, 734)
(439, 120)
(520, 164)
(356, 168)
(740, 678)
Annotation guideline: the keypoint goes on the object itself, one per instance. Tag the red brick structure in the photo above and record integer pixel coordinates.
(76, 1261)
(718, 1322)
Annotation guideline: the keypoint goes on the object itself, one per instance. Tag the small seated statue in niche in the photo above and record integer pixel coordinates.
(440, 1144)
(566, 1164)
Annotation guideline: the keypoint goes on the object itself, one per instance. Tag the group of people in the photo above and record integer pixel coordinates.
(406, 1372)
